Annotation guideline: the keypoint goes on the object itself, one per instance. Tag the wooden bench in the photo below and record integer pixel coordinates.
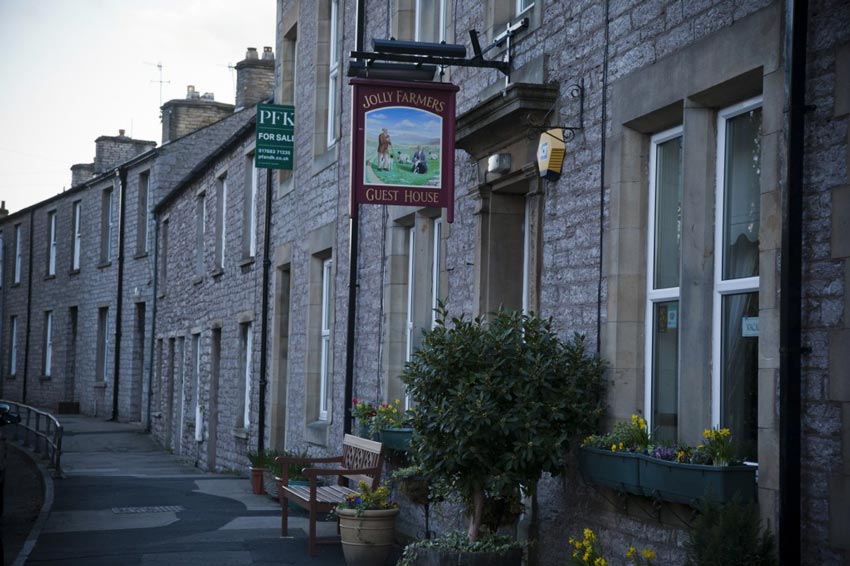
(361, 460)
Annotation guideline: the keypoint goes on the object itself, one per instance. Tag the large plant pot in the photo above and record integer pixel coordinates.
(690, 483)
(434, 556)
(397, 438)
(257, 480)
(617, 470)
(367, 538)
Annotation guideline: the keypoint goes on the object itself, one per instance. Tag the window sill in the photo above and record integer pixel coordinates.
(140, 255)
(13, 285)
(246, 261)
(49, 277)
(11, 377)
(44, 378)
(74, 272)
(100, 385)
(240, 433)
(197, 279)
(317, 432)
(160, 295)
(324, 160)
(104, 264)
(216, 273)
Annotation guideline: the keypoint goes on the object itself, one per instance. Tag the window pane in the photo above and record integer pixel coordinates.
(742, 169)
(428, 18)
(668, 213)
(665, 371)
(739, 371)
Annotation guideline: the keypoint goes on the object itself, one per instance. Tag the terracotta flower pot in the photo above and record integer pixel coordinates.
(367, 538)
(257, 481)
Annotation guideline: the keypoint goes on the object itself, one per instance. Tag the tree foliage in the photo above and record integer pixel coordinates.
(498, 402)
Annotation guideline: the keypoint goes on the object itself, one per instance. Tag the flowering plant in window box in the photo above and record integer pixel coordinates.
(392, 424)
(364, 412)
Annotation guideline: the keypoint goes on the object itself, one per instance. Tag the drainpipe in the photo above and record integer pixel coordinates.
(153, 317)
(790, 304)
(602, 179)
(29, 314)
(353, 242)
(119, 295)
(264, 332)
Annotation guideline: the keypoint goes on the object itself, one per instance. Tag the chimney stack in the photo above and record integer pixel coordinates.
(3, 212)
(254, 77)
(182, 117)
(81, 172)
(111, 151)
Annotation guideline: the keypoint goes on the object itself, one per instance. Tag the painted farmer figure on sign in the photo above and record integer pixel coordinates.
(384, 144)
(420, 160)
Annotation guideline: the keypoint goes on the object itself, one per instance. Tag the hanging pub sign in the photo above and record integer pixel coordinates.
(402, 144)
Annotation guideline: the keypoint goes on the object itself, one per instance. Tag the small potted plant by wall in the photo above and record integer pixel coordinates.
(497, 404)
(364, 412)
(393, 425)
(259, 463)
(295, 476)
(367, 526)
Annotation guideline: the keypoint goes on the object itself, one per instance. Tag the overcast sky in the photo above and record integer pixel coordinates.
(73, 70)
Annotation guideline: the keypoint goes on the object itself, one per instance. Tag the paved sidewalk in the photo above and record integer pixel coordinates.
(127, 502)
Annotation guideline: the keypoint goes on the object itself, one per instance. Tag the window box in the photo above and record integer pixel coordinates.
(396, 438)
(663, 480)
(617, 470)
(689, 483)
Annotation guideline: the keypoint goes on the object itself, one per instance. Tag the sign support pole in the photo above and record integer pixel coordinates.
(264, 325)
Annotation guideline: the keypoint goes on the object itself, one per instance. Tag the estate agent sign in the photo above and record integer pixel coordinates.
(275, 131)
(403, 144)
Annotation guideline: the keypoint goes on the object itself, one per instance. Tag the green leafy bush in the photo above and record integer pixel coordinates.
(498, 402)
(730, 535)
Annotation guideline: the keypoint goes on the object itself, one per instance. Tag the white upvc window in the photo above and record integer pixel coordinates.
(200, 232)
(77, 223)
(247, 344)
(51, 243)
(252, 215)
(18, 244)
(48, 343)
(221, 223)
(196, 385)
(333, 72)
(409, 322)
(663, 270)
(523, 5)
(435, 270)
(430, 20)
(526, 252)
(735, 313)
(324, 373)
(106, 246)
(144, 181)
(13, 362)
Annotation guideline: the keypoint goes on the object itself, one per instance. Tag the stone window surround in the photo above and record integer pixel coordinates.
(320, 247)
(200, 234)
(13, 347)
(107, 222)
(404, 221)
(689, 88)
(249, 206)
(220, 222)
(51, 243)
(48, 338)
(76, 235)
(326, 127)
(287, 48)
(143, 214)
(281, 330)
(246, 357)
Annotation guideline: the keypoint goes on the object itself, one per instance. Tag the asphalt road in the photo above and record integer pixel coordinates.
(126, 502)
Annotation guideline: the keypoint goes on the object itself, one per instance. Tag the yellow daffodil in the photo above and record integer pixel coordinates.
(648, 554)
(631, 552)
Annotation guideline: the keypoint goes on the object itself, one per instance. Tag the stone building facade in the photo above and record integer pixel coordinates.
(672, 206)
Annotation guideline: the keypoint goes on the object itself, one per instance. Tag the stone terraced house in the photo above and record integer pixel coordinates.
(698, 236)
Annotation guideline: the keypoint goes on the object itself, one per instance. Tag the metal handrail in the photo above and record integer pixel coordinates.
(45, 429)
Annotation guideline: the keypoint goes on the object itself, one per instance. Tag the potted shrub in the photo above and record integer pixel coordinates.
(497, 404)
(259, 463)
(367, 525)
(274, 474)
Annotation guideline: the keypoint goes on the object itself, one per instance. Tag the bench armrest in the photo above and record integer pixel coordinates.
(298, 460)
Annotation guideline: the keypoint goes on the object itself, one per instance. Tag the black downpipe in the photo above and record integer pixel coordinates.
(602, 180)
(264, 325)
(790, 304)
(119, 295)
(353, 242)
(29, 314)
(149, 423)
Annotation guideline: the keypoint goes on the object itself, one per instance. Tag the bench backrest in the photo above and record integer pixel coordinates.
(360, 453)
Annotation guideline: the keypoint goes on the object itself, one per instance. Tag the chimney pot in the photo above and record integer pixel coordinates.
(268, 55)
(121, 133)
(251, 53)
(208, 96)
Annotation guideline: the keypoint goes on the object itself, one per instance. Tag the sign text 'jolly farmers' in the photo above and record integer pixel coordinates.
(403, 144)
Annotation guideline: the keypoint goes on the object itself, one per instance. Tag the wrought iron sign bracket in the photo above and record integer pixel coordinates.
(421, 54)
(568, 133)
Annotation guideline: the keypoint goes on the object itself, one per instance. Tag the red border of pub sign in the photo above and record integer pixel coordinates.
(403, 144)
